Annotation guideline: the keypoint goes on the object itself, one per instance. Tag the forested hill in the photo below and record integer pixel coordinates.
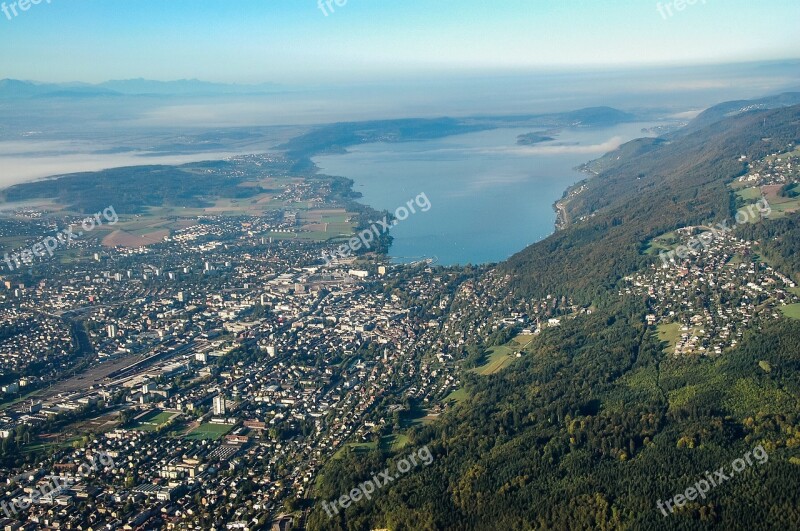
(646, 188)
(734, 108)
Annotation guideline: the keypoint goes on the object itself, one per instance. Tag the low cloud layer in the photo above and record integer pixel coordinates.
(39, 161)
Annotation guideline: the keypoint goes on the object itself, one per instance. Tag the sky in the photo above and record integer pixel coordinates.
(297, 41)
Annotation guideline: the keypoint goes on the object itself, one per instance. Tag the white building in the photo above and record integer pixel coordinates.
(219, 405)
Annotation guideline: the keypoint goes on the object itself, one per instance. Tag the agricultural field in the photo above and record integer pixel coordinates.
(315, 224)
(780, 206)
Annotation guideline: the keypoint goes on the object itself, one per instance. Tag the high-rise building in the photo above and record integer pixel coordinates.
(219, 405)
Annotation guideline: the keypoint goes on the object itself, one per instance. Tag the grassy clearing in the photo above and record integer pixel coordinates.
(750, 194)
(670, 333)
(521, 341)
(792, 311)
(157, 417)
(415, 417)
(665, 242)
(180, 429)
(736, 260)
(45, 446)
(358, 448)
(502, 356)
(499, 359)
(783, 208)
(458, 396)
(394, 442)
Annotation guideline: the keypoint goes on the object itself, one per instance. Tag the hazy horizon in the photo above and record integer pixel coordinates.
(248, 41)
(42, 137)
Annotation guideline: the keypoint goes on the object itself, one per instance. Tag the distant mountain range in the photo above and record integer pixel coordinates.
(14, 88)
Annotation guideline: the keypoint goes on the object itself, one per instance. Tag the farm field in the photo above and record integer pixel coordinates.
(315, 224)
(780, 206)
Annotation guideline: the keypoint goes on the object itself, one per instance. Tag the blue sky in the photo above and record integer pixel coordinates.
(293, 41)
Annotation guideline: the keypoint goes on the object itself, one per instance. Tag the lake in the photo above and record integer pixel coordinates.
(490, 198)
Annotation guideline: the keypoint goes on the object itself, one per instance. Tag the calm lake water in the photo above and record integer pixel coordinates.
(490, 197)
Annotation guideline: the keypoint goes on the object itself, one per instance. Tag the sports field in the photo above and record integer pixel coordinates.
(154, 420)
(209, 431)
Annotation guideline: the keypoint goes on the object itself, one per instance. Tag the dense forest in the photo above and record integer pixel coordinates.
(593, 431)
